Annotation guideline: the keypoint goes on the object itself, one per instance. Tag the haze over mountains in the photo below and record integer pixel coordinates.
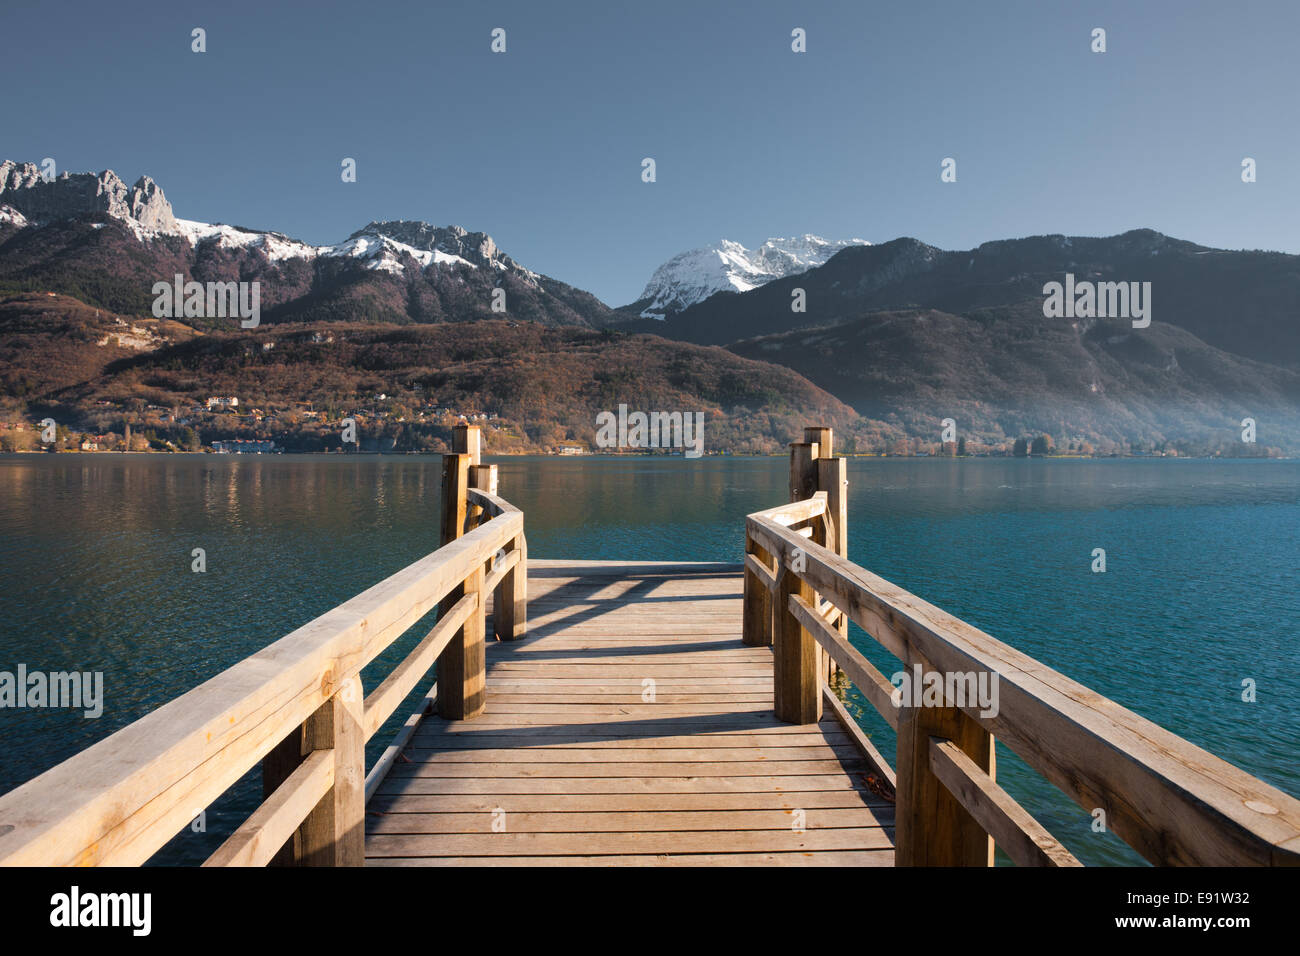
(905, 333)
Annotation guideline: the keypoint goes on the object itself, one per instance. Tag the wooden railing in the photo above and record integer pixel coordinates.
(1173, 802)
(298, 707)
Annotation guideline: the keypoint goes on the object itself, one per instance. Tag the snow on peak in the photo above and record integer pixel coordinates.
(385, 254)
(696, 274)
(275, 245)
(380, 252)
(11, 215)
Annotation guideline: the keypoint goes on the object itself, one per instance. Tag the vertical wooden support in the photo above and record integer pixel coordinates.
(757, 610)
(833, 478)
(461, 678)
(510, 610)
(468, 440)
(804, 482)
(796, 657)
(455, 481)
(461, 664)
(484, 478)
(796, 686)
(803, 470)
(822, 438)
(333, 834)
(933, 829)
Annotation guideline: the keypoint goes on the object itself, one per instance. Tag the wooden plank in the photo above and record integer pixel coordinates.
(483, 477)
(875, 687)
(657, 785)
(494, 741)
(874, 757)
(384, 699)
(629, 770)
(455, 483)
(795, 665)
(527, 844)
(934, 828)
(273, 823)
(727, 821)
(332, 834)
(467, 439)
(581, 803)
(404, 735)
(510, 611)
(509, 755)
(803, 470)
(847, 858)
(607, 726)
(1021, 836)
(462, 692)
(502, 564)
(759, 583)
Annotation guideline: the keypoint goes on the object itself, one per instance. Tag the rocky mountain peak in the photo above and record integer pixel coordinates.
(69, 195)
(477, 248)
(692, 276)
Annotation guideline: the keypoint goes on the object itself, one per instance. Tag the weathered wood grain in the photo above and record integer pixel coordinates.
(633, 725)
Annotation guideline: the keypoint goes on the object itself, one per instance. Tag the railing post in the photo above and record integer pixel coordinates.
(510, 607)
(468, 440)
(796, 685)
(333, 834)
(796, 665)
(803, 470)
(484, 478)
(756, 629)
(461, 665)
(455, 483)
(820, 436)
(832, 478)
(933, 829)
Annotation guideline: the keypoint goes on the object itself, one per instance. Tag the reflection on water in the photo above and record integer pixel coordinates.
(95, 555)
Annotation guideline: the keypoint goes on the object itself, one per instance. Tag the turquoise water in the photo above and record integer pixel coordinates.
(1199, 592)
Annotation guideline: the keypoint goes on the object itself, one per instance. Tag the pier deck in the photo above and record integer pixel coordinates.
(609, 713)
(631, 726)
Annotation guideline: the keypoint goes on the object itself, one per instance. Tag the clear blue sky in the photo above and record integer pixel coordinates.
(541, 146)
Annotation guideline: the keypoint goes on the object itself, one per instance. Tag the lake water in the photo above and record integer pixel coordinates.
(1199, 592)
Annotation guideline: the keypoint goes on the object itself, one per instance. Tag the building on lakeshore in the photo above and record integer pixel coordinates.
(245, 446)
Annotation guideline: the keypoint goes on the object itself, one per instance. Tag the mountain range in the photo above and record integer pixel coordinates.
(891, 338)
(693, 276)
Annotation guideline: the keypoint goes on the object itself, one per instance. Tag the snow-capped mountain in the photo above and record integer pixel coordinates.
(399, 270)
(695, 275)
(27, 198)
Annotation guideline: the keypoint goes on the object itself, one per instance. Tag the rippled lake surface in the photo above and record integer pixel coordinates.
(1199, 592)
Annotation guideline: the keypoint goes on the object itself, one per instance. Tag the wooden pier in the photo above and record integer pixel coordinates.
(631, 727)
(606, 713)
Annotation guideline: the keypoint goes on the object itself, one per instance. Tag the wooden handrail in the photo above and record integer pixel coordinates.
(383, 700)
(260, 838)
(295, 705)
(1012, 828)
(1167, 798)
(491, 503)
